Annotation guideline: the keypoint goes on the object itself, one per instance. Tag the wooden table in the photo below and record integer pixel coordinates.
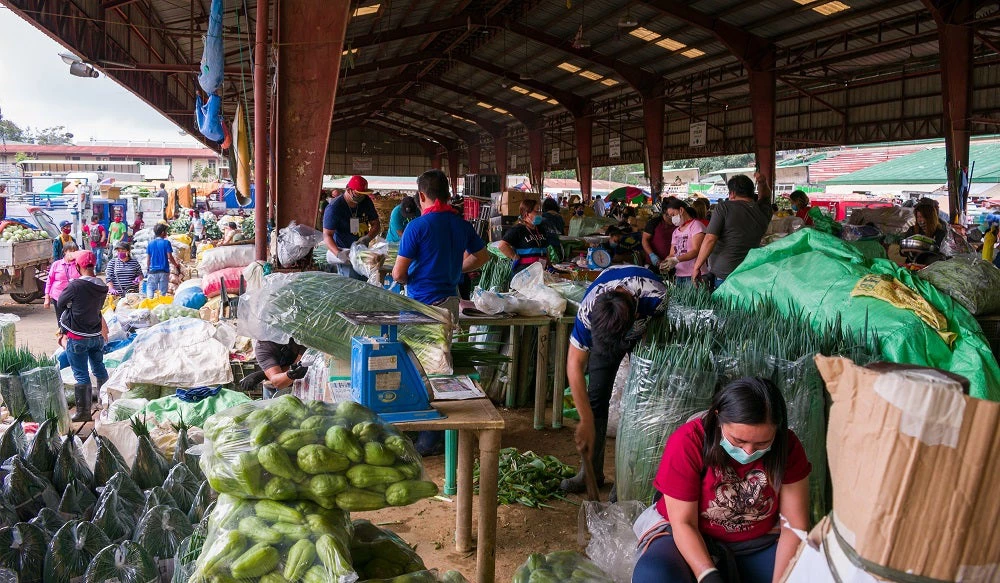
(473, 419)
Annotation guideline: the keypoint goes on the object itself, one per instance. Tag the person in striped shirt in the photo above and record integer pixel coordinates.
(124, 274)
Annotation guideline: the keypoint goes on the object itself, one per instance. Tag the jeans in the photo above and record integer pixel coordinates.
(80, 352)
(663, 563)
(346, 270)
(602, 368)
(157, 281)
(99, 255)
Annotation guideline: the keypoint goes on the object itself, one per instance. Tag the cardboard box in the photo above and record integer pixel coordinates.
(915, 465)
(510, 200)
(111, 192)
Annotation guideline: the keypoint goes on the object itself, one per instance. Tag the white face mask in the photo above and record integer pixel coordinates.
(676, 220)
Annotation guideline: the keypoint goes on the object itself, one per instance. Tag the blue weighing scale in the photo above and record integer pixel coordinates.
(386, 376)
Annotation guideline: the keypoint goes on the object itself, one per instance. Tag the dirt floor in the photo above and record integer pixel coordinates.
(430, 524)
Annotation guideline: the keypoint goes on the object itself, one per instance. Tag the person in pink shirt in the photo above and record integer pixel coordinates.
(685, 242)
(61, 272)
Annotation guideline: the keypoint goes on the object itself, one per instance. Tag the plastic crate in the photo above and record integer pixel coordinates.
(241, 370)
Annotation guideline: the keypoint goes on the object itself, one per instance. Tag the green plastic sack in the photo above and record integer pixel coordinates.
(173, 409)
(815, 272)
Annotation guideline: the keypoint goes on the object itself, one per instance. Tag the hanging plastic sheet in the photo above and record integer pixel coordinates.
(213, 57)
(209, 117)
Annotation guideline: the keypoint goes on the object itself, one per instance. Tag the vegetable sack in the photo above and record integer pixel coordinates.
(559, 566)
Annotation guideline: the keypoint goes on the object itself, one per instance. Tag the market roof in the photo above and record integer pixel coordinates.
(98, 150)
(927, 167)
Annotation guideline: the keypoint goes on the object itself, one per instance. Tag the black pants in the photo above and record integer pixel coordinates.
(603, 367)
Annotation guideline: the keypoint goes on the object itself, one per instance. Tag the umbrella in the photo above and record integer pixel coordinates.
(56, 187)
(626, 193)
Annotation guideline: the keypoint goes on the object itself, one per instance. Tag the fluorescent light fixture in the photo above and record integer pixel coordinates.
(552, 102)
(692, 53)
(609, 82)
(486, 105)
(537, 96)
(670, 44)
(501, 110)
(644, 34)
(569, 67)
(591, 75)
(351, 51)
(519, 89)
(366, 10)
(831, 8)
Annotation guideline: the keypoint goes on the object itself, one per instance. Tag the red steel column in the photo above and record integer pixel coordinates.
(762, 106)
(453, 157)
(652, 121)
(310, 40)
(475, 154)
(584, 141)
(536, 158)
(500, 153)
(260, 127)
(955, 42)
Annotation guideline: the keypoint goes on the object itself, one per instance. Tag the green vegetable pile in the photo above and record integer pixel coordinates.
(528, 478)
(179, 226)
(164, 312)
(19, 233)
(272, 541)
(972, 282)
(338, 456)
(559, 567)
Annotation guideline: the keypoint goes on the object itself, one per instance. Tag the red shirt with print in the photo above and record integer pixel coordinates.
(735, 504)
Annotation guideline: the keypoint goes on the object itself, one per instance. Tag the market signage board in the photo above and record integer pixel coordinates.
(614, 147)
(555, 156)
(513, 161)
(362, 165)
(698, 133)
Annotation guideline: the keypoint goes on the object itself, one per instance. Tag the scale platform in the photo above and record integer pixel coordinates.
(386, 376)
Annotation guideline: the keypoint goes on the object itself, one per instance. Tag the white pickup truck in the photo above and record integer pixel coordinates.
(24, 265)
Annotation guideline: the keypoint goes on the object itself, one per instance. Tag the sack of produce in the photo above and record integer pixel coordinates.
(25, 491)
(109, 461)
(125, 562)
(71, 465)
(238, 256)
(165, 312)
(77, 502)
(377, 553)
(48, 520)
(182, 485)
(337, 455)
(188, 551)
(972, 282)
(150, 467)
(275, 541)
(190, 297)
(114, 516)
(44, 449)
(158, 497)
(8, 331)
(160, 533)
(12, 391)
(22, 550)
(304, 306)
(71, 551)
(203, 498)
(199, 356)
(559, 566)
(295, 242)
(13, 441)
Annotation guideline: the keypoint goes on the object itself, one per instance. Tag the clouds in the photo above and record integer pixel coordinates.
(37, 90)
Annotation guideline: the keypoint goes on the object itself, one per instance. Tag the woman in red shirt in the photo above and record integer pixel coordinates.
(800, 206)
(725, 480)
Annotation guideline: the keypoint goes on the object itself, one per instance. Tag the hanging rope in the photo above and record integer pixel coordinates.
(243, 75)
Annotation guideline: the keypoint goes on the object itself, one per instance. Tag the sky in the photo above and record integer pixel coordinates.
(37, 90)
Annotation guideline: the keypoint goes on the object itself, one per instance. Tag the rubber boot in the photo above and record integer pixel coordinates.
(577, 484)
(97, 390)
(84, 402)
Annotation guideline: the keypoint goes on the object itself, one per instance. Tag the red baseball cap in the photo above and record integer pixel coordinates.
(358, 184)
(85, 259)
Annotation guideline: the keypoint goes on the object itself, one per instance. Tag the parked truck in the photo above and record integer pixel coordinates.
(24, 265)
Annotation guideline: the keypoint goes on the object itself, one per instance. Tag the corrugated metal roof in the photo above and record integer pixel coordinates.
(927, 167)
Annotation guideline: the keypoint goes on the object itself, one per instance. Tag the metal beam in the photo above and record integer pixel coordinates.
(261, 151)
(398, 61)
(529, 118)
(493, 128)
(469, 137)
(446, 142)
(575, 104)
(109, 4)
(584, 132)
(458, 21)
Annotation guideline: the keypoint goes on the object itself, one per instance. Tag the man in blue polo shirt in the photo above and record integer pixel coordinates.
(351, 216)
(437, 247)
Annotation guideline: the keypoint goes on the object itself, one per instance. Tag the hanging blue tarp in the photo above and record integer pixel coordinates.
(230, 195)
(212, 57)
(209, 117)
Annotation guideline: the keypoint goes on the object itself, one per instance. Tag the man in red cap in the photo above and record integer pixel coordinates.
(348, 218)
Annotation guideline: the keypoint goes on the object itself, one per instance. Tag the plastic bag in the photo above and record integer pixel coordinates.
(530, 283)
(182, 352)
(378, 554)
(248, 540)
(25, 490)
(338, 456)
(368, 260)
(190, 297)
(160, 533)
(173, 409)
(224, 257)
(304, 306)
(560, 566)
(8, 330)
(295, 242)
(488, 302)
(71, 551)
(974, 283)
(658, 402)
(138, 319)
(188, 551)
(125, 562)
(612, 543)
(12, 391)
(618, 389)
(229, 276)
(44, 395)
(165, 312)
(22, 550)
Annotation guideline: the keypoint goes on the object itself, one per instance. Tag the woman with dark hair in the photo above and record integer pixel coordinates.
(401, 215)
(928, 223)
(685, 242)
(552, 216)
(700, 206)
(525, 243)
(800, 206)
(725, 479)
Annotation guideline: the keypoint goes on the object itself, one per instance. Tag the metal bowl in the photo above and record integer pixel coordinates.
(918, 243)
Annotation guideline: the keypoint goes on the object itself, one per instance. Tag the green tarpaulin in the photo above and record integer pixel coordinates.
(816, 272)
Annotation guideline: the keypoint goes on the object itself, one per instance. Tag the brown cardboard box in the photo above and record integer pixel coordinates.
(511, 200)
(112, 192)
(915, 465)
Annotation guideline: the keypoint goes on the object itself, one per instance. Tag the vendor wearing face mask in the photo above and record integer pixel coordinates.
(349, 217)
(525, 243)
(800, 206)
(124, 274)
(117, 231)
(685, 243)
(656, 237)
(64, 239)
(725, 479)
(624, 245)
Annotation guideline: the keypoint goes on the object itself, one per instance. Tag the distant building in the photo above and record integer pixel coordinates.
(179, 160)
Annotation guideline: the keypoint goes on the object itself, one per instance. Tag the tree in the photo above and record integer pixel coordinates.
(20, 157)
(11, 132)
(52, 135)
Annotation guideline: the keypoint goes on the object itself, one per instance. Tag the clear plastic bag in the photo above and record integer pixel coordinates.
(658, 402)
(8, 330)
(304, 306)
(188, 551)
(379, 554)
(612, 542)
(248, 540)
(296, 241)
(974, 283)
(425, 576)
(368, 260)
(125, 562)
(560, 566)
(530, 283)
(44, 395)
(315, 385)
(338, 456)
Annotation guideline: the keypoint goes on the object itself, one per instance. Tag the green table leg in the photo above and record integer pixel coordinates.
(450, 461)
